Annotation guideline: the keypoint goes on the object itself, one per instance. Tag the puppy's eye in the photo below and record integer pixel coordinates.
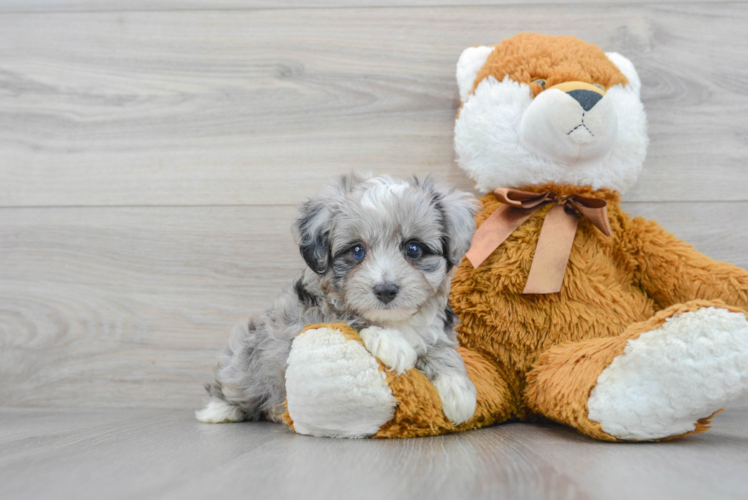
(358, 252)
(413, 250)
(539, 81)
(598, 86)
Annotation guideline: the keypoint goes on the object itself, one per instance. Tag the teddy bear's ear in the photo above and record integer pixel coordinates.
(627, 68)
(470, 63)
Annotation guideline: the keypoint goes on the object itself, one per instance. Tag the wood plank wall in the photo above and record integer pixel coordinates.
(152, 152)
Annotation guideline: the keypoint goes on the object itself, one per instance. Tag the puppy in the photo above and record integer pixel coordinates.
(380, 254)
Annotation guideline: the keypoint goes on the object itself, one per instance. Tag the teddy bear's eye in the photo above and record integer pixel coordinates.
(539, 81)
(598, 86)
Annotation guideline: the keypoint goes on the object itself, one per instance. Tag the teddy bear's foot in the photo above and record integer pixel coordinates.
(334, 387)
(669, 378)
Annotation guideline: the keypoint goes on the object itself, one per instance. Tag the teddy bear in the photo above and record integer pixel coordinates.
(569, 309)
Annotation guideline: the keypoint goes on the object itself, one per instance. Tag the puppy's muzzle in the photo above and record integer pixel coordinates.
(386, 292)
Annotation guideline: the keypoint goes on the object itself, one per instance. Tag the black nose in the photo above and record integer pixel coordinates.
(586, 98)
(385, 292)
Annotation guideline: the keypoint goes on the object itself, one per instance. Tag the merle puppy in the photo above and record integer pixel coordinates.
(380, 253)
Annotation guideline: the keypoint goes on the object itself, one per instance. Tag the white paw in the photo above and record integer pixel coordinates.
(458, 396)
(389, 347)
(219, 412)
(672, 376)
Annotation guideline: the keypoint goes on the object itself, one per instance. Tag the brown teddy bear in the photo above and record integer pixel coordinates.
(569, 309)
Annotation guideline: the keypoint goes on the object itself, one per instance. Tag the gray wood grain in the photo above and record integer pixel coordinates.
(127, 307)
(165, 454)
(251, 107)
(177, 5)
(149, 163)
(720, 230)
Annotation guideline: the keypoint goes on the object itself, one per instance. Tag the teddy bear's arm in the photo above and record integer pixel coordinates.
(335, 387)
(671, 271)
(419, 409)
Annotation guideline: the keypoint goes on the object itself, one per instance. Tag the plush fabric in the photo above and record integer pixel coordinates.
(610, 284)
(647, 338)
(500, 127)
(543, 354)
(527, 57)
(363, 403)
(694, 360)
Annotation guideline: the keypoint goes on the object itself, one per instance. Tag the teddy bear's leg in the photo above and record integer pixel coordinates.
(336, 388)
(663, 378)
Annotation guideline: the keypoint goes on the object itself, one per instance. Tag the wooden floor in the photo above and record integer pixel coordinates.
(166, 454)
(151, 156)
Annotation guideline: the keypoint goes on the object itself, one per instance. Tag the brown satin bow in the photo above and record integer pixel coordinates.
(556, 237)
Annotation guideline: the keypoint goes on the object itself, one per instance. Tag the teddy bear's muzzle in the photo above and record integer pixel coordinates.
(572, 122)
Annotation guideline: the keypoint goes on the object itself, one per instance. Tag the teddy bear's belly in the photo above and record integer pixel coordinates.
(598, 299)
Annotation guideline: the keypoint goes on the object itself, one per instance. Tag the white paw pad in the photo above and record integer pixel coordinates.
(390, 348)
(670, 377)
(335, 387)
(458, 396)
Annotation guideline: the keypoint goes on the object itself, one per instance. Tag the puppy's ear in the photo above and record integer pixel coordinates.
(314, 222)
(458, 209)
(312, 232)
(347, 183)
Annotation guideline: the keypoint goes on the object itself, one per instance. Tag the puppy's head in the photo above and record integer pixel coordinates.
(383, 247)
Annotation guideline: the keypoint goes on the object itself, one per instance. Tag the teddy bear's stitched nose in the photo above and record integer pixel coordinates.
(586, 98)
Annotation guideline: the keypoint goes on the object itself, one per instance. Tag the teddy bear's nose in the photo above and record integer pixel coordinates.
(586, 94)
(586, 98)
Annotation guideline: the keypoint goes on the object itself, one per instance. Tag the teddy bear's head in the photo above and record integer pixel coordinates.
(538, 109)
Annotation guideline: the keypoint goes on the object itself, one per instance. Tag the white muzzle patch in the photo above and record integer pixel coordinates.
(570, 127)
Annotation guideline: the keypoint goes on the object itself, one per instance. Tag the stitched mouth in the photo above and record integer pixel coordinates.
(582, 124)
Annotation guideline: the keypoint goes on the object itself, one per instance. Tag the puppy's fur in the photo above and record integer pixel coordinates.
(382, 218)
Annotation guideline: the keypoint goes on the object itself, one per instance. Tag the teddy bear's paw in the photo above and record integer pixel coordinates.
(670, 377)
(458, 396)
(334, 387)
(389, 347)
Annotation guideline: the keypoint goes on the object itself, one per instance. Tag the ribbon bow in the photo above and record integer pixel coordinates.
(556, 236)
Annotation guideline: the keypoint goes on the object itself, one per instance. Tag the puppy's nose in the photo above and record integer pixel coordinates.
(385, 292)
(586, 98)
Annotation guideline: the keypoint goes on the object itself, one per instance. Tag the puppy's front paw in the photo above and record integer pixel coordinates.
(390, 348)
(458, 396)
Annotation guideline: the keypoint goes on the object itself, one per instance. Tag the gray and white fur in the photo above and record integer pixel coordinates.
(380, 254)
